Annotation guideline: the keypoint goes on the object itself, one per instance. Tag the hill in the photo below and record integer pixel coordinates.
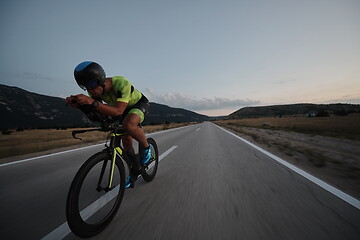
(295, 110)
(160, 113)
(20, 108)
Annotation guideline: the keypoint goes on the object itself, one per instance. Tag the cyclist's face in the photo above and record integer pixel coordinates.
(95, 92)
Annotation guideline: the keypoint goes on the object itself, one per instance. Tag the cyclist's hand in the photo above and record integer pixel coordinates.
(82, 99)
(72, 101)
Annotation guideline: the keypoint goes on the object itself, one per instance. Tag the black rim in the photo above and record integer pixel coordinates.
(90, 209)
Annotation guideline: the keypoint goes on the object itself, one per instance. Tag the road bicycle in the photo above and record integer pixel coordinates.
(98, 187)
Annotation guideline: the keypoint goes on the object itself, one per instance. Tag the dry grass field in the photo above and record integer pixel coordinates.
(326, 147)
(31, 141)
(334, 126)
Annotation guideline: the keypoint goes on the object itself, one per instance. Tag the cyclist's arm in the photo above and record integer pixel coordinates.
(112, 111)
(122, 100)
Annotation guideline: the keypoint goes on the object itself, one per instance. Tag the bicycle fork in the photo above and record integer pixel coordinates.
(116, 152)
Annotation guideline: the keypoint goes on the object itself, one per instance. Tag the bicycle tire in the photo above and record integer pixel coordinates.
(152, 166)
(77, 224)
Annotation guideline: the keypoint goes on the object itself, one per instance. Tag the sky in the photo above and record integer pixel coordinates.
(208, 56)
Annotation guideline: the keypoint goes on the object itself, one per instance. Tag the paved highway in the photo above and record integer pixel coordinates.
(210, 185)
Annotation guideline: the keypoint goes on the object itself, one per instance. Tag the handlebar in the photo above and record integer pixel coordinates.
(108, 124)
(84, 131)
(118, 130)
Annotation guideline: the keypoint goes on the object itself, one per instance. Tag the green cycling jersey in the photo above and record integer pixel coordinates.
(122, 91)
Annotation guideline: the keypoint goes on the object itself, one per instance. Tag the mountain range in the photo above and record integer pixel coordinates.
(302, 109)
(22, 109)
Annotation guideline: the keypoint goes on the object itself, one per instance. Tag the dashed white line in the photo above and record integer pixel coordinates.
(162, 156)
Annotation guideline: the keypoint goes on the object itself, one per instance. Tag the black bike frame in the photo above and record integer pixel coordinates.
(114, 149)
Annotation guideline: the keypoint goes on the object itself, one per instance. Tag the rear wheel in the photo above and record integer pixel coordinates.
(91, 205)
(148, 170)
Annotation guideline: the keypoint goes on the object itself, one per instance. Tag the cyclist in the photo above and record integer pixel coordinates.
(114, 97)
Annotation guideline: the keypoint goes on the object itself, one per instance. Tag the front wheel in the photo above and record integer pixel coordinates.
(91, 204)
(148, 170)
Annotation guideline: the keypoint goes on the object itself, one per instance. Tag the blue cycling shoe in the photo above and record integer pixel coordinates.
(147, 155)
(131, 179)
(128, 182)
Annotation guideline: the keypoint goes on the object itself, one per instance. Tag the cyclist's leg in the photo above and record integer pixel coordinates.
(129, 149)
(127, 141)
(135, 168)
(131, 124)
(134, 117)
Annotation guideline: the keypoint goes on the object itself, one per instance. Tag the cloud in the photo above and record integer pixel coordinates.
(287, 81)
(34, 76)
(180, 100)
(352, 99)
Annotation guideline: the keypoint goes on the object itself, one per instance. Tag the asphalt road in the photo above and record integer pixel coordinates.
(210, 185)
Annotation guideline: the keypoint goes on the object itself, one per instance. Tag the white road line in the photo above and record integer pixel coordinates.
(347, 198)
(162, 156)
(169, 130)
(76, 149)
(48, 155)
(63, 230)
(197, 129)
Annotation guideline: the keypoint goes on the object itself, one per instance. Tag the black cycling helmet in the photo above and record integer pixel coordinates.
(89, 74)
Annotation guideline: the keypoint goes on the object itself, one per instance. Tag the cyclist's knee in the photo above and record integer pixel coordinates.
(130, 122)
(128, 125)
(127, 142)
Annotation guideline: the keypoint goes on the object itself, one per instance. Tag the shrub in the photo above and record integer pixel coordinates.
(323, 113)
(6, 132)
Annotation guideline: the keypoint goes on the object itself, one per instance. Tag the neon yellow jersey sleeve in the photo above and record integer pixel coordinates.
(122, 87)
